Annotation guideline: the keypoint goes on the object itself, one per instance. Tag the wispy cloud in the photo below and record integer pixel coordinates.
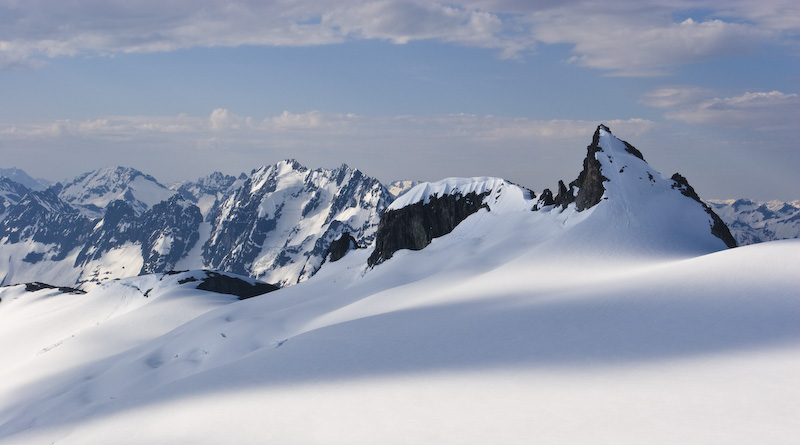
(318, 125)
(764, 111)
(636, 38)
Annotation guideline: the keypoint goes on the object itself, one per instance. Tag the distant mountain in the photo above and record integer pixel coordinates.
(207, 192)
(94, 190)
(118, 222)
(753, 222)
(10, 193)
(397, 188)
(19, 176)
(279, 224)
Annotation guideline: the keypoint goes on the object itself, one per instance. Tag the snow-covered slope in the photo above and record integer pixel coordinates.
(755, 222)
(516, 326)
(94, 190)
(611, 315)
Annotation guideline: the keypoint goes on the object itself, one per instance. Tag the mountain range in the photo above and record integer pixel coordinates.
(274, 224)
(471, 310)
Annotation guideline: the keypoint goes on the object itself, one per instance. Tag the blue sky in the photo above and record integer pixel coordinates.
(404, 90)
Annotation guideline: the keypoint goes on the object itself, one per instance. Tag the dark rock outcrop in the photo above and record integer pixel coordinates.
(339, 247)
(587, 190)
(36, 286)
(226, 284)
(414, 226)
(718, 228)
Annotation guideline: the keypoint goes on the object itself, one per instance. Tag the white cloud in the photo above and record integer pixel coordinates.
(636, 38)
(222, 123)
(765, 111)
(634, 46)
(673, 96)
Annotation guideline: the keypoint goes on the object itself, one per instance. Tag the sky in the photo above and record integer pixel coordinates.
(404, 89)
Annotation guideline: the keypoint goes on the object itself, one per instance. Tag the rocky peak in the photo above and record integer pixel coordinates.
(614, 169)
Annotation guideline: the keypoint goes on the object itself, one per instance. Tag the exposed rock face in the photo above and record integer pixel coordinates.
(414, 226)
(165, 233)
(43, 218)
(36, 286)
(339, 248)
(226, 284)
(718, 229)
(168, 231)
(587, 190)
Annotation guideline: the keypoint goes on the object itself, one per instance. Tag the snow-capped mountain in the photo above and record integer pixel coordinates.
(753, 222)
(278, 226)
(610, 312)
(279, 223)
(615, 180)
(20, 177)
(94, 190)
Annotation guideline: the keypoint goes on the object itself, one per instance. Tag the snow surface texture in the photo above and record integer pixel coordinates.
(624, 323)
(669, 351)
(753, 222)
